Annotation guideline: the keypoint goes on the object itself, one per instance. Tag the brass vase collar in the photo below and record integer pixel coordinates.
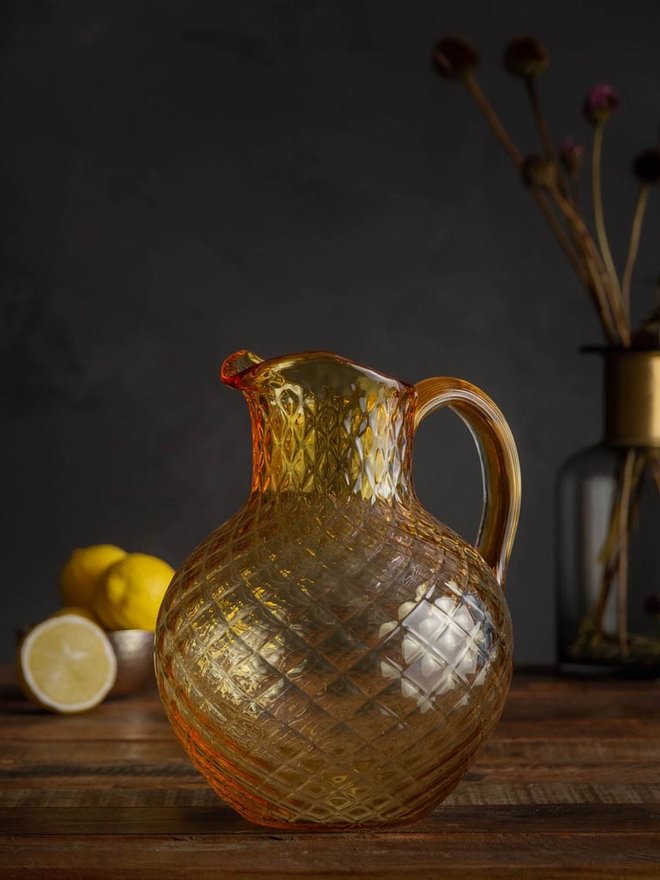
(632, 397)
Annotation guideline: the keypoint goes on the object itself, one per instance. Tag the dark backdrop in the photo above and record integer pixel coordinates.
(180, 180)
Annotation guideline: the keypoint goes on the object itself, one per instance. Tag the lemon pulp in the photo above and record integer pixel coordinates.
(67, 663)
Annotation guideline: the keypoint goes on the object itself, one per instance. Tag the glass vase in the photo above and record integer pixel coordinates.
(608, 531)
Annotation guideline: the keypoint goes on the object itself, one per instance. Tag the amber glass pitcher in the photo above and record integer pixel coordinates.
(333, 656)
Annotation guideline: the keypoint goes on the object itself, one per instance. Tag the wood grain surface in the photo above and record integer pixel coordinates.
(568, 787)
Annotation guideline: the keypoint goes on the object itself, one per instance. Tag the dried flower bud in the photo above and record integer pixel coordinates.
(454, 57)
(600, 103)
(525, 57)
(537, 171)
(646, 166)
(571, 156)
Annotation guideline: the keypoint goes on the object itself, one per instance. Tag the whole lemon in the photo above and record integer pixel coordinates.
(129, 594)
(82, 570)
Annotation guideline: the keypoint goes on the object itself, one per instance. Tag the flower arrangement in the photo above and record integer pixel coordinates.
(552, 177)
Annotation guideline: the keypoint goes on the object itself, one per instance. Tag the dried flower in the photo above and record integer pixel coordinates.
(454, 57)
(525, 57)
(537, 171)
(600, 103)
(646, 166)
(570, 156)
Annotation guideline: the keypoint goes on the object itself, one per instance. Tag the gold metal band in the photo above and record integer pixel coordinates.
(632, 398)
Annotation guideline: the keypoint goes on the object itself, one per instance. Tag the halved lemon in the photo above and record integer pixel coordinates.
(67, 664)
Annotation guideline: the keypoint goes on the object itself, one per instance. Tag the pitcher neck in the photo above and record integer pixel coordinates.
(332, 445)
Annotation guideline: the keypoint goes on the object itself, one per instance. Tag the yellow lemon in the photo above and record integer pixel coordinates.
(82, 570)
(67, 664)
(129, 594)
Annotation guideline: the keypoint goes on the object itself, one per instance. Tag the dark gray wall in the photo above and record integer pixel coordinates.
(183, 179)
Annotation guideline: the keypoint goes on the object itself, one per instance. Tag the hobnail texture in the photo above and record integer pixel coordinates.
(333, 656)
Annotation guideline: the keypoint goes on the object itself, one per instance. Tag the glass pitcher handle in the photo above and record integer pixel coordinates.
(500, 466)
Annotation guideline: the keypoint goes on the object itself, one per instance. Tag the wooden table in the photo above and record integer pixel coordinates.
(568, 787)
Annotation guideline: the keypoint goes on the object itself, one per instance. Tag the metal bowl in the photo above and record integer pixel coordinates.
(135, 660)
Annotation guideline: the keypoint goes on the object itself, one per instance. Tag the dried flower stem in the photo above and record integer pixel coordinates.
(609, 558)
(561, 236)
(612, 296)
(614, 553)
(585, 260)
(599, 215)
(655, 470)
(598, 291)
(624, 525)
(476, 93)
(543, 130)
(643, 462)
(620, 316)
(603, 596)
(576, 198)
(633, 247)
(605, 300)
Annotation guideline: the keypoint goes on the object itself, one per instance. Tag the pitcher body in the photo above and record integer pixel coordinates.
(333, 655)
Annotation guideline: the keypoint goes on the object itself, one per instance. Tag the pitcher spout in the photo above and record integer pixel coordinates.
(235, 367)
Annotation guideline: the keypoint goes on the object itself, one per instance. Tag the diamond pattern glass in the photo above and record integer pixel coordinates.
(333, 656)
